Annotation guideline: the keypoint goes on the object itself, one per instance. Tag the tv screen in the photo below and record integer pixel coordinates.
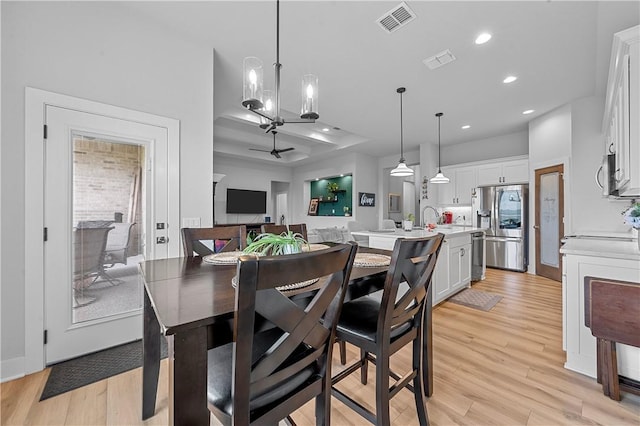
(246, 201)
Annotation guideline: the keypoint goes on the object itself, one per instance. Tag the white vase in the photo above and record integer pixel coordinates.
(407, 225)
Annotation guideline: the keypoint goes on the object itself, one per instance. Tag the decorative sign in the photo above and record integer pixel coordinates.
(366, 199)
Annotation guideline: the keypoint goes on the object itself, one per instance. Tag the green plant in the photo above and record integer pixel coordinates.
(346, 209)
(275, 245)
(332, 186)
(632, 215)
(411, 217)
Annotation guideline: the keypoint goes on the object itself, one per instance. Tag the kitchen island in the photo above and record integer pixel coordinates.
(453, 269)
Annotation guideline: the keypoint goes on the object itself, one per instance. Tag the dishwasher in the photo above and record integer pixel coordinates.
(477, 256)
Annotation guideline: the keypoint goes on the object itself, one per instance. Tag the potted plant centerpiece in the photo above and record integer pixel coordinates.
(632, 217)
(407, 224)
(274, 245)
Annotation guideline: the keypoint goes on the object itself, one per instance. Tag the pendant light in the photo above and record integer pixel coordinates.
(402, 169)
(439, 177)
(267, 104)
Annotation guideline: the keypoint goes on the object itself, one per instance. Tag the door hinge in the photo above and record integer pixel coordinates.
(44, 131)
(45, 337)
(45, 234)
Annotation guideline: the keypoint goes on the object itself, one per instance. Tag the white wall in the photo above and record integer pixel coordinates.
(117, 59)
(509, 145)
(549, 144)
(246, 174)
(589, 210)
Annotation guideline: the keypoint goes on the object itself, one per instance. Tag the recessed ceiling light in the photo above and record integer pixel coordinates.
(341, 174)
(529, 111)
(325, 129)
(510, 79)
(483, 38)
(466, 126)
(317, 179)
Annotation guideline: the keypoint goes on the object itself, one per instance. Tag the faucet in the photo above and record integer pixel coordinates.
(422, 224)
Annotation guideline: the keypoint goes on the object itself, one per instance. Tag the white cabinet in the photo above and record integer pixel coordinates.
(504, 173)
(462, 181)
(453, 270)
(621, 119)
(603, 260)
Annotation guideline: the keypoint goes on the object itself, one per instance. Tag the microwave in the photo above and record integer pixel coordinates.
(605, 176)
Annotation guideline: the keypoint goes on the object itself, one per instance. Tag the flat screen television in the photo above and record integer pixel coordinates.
(246, 201)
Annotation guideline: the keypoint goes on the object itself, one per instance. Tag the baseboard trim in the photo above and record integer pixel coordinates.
(11, 369)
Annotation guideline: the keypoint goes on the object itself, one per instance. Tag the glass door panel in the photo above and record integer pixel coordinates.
(108, 211)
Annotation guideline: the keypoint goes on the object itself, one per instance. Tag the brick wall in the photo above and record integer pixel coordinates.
(103, 182)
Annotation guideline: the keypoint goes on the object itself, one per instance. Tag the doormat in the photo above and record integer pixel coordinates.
(476, 299)
(87, 369)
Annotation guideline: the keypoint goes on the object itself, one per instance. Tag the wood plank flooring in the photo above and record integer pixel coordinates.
(502, 367)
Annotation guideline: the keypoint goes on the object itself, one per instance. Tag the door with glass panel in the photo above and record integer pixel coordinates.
(105, 191)
(549, 226)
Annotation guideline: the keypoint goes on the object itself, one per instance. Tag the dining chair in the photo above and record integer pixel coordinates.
(267, 373)
(381, 326)
(273, 229)
(205, 241)
(299, 228)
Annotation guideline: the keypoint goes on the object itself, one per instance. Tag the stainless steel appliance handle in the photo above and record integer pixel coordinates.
(597, 176)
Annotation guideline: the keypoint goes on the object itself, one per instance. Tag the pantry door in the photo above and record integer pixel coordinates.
(549, 221)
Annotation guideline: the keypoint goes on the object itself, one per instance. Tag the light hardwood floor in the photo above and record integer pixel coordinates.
(501, 367)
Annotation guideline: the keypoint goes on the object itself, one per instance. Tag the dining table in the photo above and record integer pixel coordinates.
(190, 302)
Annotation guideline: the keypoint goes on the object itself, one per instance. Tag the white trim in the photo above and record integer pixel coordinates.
(35, 101)
(12, 369)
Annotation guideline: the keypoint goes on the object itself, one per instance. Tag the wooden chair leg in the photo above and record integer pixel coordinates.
(365, 366)
(382, 390)
(421, 403)
(599, 355)
(343, 352)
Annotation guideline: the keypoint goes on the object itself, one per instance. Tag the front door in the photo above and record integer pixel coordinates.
(549, 222)
(106, 209)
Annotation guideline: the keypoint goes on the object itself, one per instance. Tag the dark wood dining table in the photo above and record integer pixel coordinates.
(191, 303)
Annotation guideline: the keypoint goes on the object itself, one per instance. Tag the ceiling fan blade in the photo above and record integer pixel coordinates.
(285, 149)
(275, 153)
(261, 150)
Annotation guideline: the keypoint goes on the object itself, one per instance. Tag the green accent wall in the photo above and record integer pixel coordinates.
(329, 206)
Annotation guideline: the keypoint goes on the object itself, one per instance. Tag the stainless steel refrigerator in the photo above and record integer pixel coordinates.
(503, 212)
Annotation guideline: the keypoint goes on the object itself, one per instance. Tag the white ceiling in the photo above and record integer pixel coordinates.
(558, 50)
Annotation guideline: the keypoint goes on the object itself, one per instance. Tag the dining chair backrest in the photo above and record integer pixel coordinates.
(205, 241)
(273, 229)
(412, 264)
(304, 330)
(299, 228)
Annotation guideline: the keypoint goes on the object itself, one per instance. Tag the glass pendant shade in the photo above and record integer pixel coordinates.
(268, 107)
(439, 178)
(309, 97)
(253, 74)
(402, 170)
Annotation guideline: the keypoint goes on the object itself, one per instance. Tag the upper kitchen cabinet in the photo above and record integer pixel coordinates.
(504, 173)
(621, 117)
(462, 182)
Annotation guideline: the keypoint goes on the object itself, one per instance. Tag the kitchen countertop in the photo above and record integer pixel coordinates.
(453, 230)
(611, 248)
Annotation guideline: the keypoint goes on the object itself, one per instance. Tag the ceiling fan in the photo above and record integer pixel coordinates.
(275, 152)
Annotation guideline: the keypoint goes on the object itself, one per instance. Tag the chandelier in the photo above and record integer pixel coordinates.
(265, 103)
(402, 169)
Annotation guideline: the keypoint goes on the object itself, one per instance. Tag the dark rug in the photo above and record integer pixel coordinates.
(476, 299)
(87, 369)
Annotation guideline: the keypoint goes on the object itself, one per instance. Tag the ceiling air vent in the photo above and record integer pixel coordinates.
(439, 59)
(396, 18)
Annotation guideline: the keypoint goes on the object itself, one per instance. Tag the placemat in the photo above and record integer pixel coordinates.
(294, 286)
(371, 260)
(314, 247)
(224, 258)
